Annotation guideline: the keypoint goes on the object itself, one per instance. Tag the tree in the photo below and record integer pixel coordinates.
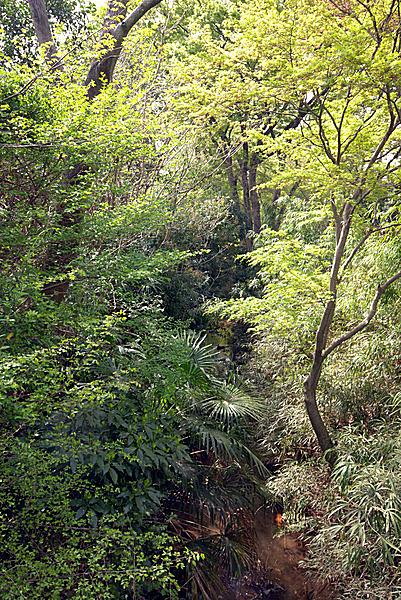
(223, 71)
(116, 27)
(17, 35)
(345, 156)
(121, 415)
(215, 80)
(339, 131)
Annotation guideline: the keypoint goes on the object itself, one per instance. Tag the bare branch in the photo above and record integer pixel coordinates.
(336, 216)
(356, 249)
(392, 159)
(339, 252)
(372, 16)
(394, 5)
(322, 134)
(340, 125)
(122, 30)
(394, 123)
(23, 89)
(363, 240)
(372, 311)
(351, 138)
(31, 82)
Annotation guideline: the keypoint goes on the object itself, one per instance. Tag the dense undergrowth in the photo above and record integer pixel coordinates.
(350, 517)
(116, 431)
(208, 185)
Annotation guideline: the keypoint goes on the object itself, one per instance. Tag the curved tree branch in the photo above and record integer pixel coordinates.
(372, 311)
(102, 67)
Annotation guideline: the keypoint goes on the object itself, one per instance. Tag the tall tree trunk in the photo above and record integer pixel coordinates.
(322, 351)
(254, 196)
(312, 381)
(277, 211)
(244, 167)
(44, 34)
(319, 427)
(115, 29)
(233, 183)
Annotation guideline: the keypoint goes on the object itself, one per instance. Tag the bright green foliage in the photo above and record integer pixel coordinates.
(361, 531)
(103, 398)
(17, 35)
(293, 277)
(338, 63)
(99, 441)
(95, 444)
(119, 217)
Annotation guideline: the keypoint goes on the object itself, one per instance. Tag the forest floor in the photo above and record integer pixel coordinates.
(277, 574)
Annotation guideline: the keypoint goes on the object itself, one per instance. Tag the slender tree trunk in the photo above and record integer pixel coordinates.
(319, 427)
(244, 167)
(233, 183)
(277, 212)
(254, 196)
(312, 381)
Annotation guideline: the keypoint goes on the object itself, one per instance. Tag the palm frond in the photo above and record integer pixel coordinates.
(225, 445)
(216, 440)
(202, 360)
(230, 403)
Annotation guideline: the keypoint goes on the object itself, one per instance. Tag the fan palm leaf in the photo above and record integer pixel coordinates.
(224, 444)
(202, 358)
(230, 403)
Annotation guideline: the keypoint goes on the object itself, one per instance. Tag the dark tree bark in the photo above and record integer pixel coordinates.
(44, 34)
(233, 183)
(312, 381)
(244, 166)
(254, 196)
(319, 427)
(116, 27)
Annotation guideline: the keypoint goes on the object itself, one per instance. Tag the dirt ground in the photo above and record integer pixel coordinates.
(277, 575)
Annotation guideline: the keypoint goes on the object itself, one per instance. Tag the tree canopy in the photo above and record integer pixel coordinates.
(173, 176)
